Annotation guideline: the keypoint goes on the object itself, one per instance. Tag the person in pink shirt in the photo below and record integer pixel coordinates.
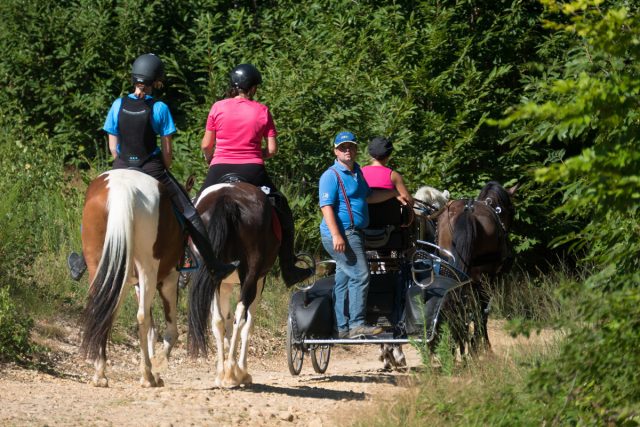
(378, 175)
(234, 143)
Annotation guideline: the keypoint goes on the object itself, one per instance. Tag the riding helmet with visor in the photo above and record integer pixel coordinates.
(147, 69)
(245, 76)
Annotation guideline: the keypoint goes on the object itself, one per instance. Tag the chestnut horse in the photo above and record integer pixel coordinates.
(476, 231)
(130, 234)
(240, 223)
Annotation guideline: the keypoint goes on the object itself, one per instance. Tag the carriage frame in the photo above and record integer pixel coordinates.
(414, 288)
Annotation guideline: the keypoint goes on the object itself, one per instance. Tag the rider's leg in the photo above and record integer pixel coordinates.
(290, 272)
(196, 228)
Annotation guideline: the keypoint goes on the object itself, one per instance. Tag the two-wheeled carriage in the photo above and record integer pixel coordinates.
(414, 288)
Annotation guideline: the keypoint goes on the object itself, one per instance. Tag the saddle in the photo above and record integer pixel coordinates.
(232, 178)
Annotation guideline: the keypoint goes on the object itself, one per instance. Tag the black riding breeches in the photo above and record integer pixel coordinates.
(252, 173)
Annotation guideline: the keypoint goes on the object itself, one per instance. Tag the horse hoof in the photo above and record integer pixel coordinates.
(152, 382)
(247, 380)
(159, 381)
(100, 382)
(230, 383)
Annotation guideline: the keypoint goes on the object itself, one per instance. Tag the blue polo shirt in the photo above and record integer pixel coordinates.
(357, 192)
(161, 121)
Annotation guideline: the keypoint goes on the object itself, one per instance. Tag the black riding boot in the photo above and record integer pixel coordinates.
(290, 272)
(218, 270)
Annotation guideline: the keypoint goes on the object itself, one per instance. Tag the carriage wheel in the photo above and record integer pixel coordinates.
(320, 358)
(295, 352)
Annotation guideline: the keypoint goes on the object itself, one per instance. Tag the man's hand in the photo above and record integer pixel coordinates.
(338, 243)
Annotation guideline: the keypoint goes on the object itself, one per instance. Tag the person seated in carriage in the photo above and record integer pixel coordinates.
(343, 195)
(232, 145)
(378, 174)
(133, 125)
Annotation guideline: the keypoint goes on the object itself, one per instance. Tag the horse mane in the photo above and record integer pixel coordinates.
(498, 195)
(432, 196)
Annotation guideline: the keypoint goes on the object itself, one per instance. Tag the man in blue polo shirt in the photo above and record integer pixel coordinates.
(344, 194)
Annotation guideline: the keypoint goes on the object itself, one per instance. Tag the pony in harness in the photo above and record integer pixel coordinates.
(476, 231)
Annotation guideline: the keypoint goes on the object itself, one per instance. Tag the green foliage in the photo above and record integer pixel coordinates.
(435, 75)
(428, 73)
(591, 100)
(14, 329)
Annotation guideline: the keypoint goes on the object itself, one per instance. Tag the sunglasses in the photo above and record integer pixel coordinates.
(346, 147)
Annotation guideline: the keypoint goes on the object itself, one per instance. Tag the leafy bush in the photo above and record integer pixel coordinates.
(15, 326)
(428, 74)
(591, 99)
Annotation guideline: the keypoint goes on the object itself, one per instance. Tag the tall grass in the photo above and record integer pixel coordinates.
(493, 389)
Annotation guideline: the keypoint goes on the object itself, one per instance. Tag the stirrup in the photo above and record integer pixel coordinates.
(77, 265)
(310, 263)
(188, 262)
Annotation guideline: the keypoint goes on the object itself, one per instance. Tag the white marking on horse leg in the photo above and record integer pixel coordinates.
(231, 366)
(148, 280)
(227, 288)
(99, 378)
(247, 328)
(399, 357)
(169, 293)
(217, 326)
(152, 336)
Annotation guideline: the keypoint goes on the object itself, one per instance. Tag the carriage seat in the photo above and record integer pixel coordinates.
(388, 226)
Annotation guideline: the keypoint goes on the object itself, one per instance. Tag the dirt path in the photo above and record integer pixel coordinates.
(61, 394)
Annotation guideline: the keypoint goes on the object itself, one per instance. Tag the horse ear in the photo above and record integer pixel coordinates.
(190, 182)
(513, 189)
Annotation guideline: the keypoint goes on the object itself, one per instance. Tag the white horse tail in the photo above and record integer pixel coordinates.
(106, 289)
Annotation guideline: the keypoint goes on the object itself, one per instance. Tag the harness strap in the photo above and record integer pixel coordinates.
(346, 199)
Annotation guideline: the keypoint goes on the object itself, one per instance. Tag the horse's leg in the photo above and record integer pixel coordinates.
(99, 378)
(151, 335)
(169, 296)
(232, 376)
(243, 371)
(485, 306)
(219, 314)
(399, 357)
(230, 367)
(148, 277)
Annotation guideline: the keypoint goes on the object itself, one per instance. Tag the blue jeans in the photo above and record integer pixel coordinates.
(352, 280)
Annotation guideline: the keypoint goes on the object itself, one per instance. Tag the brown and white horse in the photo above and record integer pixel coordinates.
(240, 223)
(476, 231)
(130, 234)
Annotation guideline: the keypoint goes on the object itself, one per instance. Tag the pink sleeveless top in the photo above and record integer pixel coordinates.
(378, 177)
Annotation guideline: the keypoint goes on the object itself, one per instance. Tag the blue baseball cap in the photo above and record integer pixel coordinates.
(343, 137)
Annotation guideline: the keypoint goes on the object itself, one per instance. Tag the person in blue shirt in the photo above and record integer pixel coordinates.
(343, 195)
(133, 124)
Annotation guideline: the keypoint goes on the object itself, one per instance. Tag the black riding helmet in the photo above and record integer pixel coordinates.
(147, 69)
(245, 76)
